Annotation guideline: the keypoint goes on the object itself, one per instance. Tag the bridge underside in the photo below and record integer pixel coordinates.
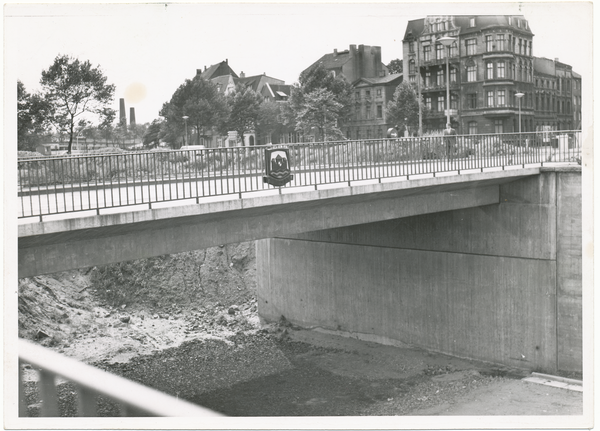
(53, 246)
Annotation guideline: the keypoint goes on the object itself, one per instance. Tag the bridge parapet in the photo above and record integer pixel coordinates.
(60, 185)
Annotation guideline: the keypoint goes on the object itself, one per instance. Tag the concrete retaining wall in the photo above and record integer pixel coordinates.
(500, 282)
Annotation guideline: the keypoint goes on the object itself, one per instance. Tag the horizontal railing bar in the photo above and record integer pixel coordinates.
(118, 388)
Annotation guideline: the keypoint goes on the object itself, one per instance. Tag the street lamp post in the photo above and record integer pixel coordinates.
(447, 41)
(519, 96)
(185, 118)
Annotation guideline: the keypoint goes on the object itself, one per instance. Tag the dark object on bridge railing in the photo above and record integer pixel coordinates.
(277, 166)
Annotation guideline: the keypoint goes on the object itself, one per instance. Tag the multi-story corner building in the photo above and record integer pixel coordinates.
(494, 76)
(490, 62)
(557, 95)
(373, 88)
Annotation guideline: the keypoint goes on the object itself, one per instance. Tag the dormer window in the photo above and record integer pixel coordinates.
(510, 20)
(471, 22)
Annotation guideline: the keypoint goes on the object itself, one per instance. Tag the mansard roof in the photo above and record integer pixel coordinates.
(416, 27)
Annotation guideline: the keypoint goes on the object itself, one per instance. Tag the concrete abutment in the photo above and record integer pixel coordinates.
(499, 282)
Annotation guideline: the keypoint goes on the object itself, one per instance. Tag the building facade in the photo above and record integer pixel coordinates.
(494, 78)
(557, 96)
(369, 117)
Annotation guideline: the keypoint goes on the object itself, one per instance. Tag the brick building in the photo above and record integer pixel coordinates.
(491, 61)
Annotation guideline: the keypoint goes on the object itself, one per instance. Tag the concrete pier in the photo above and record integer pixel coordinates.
(499, 282)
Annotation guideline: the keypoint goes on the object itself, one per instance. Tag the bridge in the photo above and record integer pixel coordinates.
(394, 241)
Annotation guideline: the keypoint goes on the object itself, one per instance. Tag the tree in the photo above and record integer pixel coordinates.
(244, 104)
(74, 90)
(321, 110)
(152, 136)
(404, 107)
(268, 119)
(199, 100)
(395, 66)
(335, 89)
(31, 118)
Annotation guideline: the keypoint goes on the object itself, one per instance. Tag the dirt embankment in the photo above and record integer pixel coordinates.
(133, 308)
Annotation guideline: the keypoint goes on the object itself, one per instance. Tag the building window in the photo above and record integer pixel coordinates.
(411, 47)
(453, 75)
(441, 103)
(471, 73)
(439, 51)
(369, 112)
(490, 99)
(471, 22)
(521, 50)
(379, 92)
(472, 127)
(357, 95)
(427, 79)
(489, 70)
(471, 46)
(427, 53)
(501, 98)
(453, 50)
(412, 78)
(500, 42)
(379, 111)
(411, 66)
(514, 71)
(498, 126)
(440, 77)
(453, 101)
(489, 43)
(530, 51)
(472, 100)
(500, 69)
(428, 103)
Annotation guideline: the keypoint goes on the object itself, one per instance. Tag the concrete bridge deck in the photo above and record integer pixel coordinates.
(64, 244)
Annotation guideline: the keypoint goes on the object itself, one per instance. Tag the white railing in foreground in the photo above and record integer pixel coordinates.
(135, 399)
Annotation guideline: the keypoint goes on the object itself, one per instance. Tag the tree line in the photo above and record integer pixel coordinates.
(75, 100)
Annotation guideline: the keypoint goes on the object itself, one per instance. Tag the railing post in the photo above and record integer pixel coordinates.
(48, 394)
(86, 405)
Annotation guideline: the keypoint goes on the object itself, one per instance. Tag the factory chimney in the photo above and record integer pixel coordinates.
(132, 116)
(122, 116)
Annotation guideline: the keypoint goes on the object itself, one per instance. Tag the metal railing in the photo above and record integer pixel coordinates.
(55, 185)
(133, 398)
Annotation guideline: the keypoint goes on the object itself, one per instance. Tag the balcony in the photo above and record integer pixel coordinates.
(498, 54)
(440, 62)
(442, 87)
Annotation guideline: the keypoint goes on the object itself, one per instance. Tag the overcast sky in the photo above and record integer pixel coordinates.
(148, 50)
